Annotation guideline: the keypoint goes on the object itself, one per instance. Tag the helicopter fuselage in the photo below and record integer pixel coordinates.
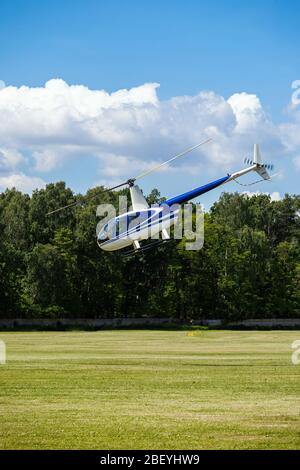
(133, 226)
(146, 222)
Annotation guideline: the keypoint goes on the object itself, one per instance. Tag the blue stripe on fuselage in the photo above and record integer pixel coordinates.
(147, 223)
(196, 192)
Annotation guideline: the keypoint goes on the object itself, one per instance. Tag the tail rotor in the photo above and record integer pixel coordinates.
(267, 166)
(261, 168)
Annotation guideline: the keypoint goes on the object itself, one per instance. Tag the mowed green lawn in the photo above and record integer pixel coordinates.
(149, 390)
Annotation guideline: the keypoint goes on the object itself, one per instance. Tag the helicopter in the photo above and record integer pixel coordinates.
(143, 221)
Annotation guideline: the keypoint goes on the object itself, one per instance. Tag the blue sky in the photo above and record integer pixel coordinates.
(226, 47)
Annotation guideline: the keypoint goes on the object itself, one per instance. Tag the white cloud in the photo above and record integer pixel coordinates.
(130, 129)
(247, 110)
(21, 182)
(297, 162)
(275, 195)
(10, 158)
(290, 130)
(45, 160)
(290, 135)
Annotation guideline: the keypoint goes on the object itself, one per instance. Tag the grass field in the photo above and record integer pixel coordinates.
(149, 389)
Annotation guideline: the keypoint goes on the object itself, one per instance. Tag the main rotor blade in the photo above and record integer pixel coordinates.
(154, 168)
(131, 181)
(76, 203)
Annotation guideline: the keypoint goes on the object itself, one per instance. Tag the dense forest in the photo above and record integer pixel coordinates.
(51, 266)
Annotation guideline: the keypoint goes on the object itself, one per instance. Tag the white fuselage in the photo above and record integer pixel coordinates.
(144, 222)
(132, 226)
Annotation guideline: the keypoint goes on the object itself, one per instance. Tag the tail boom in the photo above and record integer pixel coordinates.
(255, 165)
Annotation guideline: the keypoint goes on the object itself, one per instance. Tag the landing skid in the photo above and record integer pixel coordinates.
(145, 248)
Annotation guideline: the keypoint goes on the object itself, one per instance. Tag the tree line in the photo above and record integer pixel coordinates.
(51, 267)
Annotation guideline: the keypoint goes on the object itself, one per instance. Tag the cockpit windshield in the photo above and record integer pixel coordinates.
(133, 220)
(103, 234)
(110, 230)
(123, 224)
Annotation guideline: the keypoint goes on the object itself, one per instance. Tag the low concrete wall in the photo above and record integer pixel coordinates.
(266, 323)
(82, 322)
(140, 322)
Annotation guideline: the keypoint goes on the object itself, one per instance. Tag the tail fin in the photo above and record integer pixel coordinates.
(256, 155)
(261, 168)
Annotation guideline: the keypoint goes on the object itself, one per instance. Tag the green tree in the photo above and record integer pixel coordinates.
(47, 282)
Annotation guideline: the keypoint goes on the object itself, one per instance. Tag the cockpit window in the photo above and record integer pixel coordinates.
(103, 235)
(133, 220)
(120, 225)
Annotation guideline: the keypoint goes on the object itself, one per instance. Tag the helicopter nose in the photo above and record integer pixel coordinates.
(102, 236)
